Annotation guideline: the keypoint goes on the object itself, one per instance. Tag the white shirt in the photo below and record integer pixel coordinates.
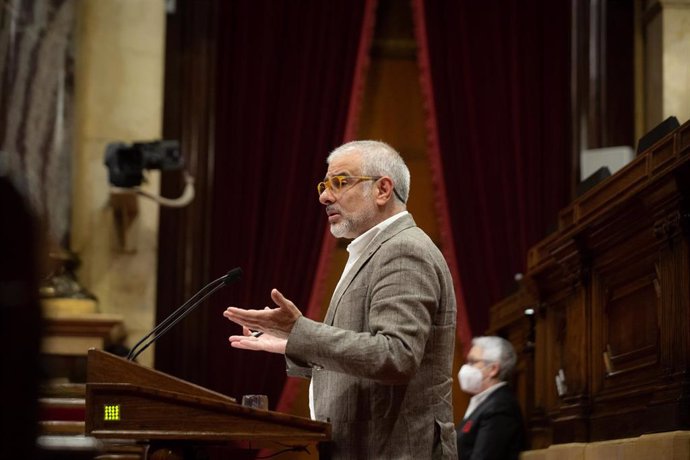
(355, 250)
(479, 398)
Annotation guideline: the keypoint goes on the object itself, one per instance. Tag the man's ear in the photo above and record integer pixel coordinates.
(494, 370)
(384, 190)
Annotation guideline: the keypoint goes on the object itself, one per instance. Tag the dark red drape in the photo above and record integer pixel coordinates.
(285, 79)
(278, 86)
(317, 295)
(498, 72)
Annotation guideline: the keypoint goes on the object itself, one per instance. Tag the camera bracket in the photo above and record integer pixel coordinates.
(181, 201)
(125, 206)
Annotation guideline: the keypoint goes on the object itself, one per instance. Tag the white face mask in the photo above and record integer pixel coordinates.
(470, 379)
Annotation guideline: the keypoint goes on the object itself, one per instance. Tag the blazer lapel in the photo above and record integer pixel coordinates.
(393, 229)
(484, 405)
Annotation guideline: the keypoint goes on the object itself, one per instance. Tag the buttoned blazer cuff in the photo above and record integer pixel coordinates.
(297, 365)
(294, 369)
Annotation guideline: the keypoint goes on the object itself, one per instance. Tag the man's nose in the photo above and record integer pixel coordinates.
(326, 196)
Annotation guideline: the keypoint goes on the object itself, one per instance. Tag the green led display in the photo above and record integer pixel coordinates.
(111, 412)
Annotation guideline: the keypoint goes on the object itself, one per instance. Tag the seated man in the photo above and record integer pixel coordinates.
(492, 427)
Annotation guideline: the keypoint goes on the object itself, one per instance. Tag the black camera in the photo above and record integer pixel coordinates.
(126, 163)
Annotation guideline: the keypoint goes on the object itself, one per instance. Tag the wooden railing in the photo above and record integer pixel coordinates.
(610, 292)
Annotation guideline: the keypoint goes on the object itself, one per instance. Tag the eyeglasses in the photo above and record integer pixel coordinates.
(337, 183)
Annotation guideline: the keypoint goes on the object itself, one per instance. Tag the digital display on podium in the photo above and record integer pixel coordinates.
(111, 412)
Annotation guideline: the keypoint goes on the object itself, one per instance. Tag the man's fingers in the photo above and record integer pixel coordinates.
(241, 312)
(281, 300)
(245, 343)
(245, 318)
(234, 312)
(285, 304)
(266, 342)
(276, 321)
(277, 296)
(241, 338)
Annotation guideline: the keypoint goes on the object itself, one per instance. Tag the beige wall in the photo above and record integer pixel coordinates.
(676, 79)
(667, 61)
(118, 97)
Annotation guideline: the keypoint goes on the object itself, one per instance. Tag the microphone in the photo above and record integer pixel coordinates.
(175, 317)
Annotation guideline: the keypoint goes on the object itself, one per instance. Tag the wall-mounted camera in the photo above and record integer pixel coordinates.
(126, 163)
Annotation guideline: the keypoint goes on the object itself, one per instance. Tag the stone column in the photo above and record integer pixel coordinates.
(666, 27)
(118, 97)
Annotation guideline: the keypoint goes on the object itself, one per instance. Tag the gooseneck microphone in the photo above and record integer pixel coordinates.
(175, 317)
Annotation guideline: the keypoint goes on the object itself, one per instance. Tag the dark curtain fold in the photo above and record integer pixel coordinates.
(317, 296)
(500, 77)
(282, 84)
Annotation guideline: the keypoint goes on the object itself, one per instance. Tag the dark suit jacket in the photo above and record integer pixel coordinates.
(381, 362)
(494, 430)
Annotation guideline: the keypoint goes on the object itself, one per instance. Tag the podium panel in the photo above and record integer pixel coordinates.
(125, 400)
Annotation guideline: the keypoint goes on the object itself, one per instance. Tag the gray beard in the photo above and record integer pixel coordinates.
(340, 229)
(347, 226)
(356, 226)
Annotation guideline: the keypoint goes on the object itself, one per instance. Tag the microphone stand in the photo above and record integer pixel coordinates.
(183, 311)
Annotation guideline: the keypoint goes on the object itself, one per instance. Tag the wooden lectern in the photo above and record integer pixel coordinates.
(125, 400)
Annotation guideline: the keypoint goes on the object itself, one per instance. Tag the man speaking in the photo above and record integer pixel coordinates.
(380, 364)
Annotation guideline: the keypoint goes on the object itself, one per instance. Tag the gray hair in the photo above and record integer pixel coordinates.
(379, 159)
(498, 350)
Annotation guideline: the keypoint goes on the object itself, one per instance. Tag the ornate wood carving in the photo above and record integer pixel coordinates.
(613, 286)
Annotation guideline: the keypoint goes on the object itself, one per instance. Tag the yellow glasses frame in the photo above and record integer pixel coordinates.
(337, 183)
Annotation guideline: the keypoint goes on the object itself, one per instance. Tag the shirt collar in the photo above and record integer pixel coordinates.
(357, 246)
(479, 398)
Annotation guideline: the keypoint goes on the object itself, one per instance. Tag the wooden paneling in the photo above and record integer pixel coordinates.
(611, 293)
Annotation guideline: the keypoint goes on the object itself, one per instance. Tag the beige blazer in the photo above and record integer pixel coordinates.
(381, 362)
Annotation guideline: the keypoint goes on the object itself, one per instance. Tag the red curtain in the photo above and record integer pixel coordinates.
(258, 92)
(285, 76)
(497, 85)
(318, 288)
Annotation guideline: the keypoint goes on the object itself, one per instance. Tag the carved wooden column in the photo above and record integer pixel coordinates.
(562, 288)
